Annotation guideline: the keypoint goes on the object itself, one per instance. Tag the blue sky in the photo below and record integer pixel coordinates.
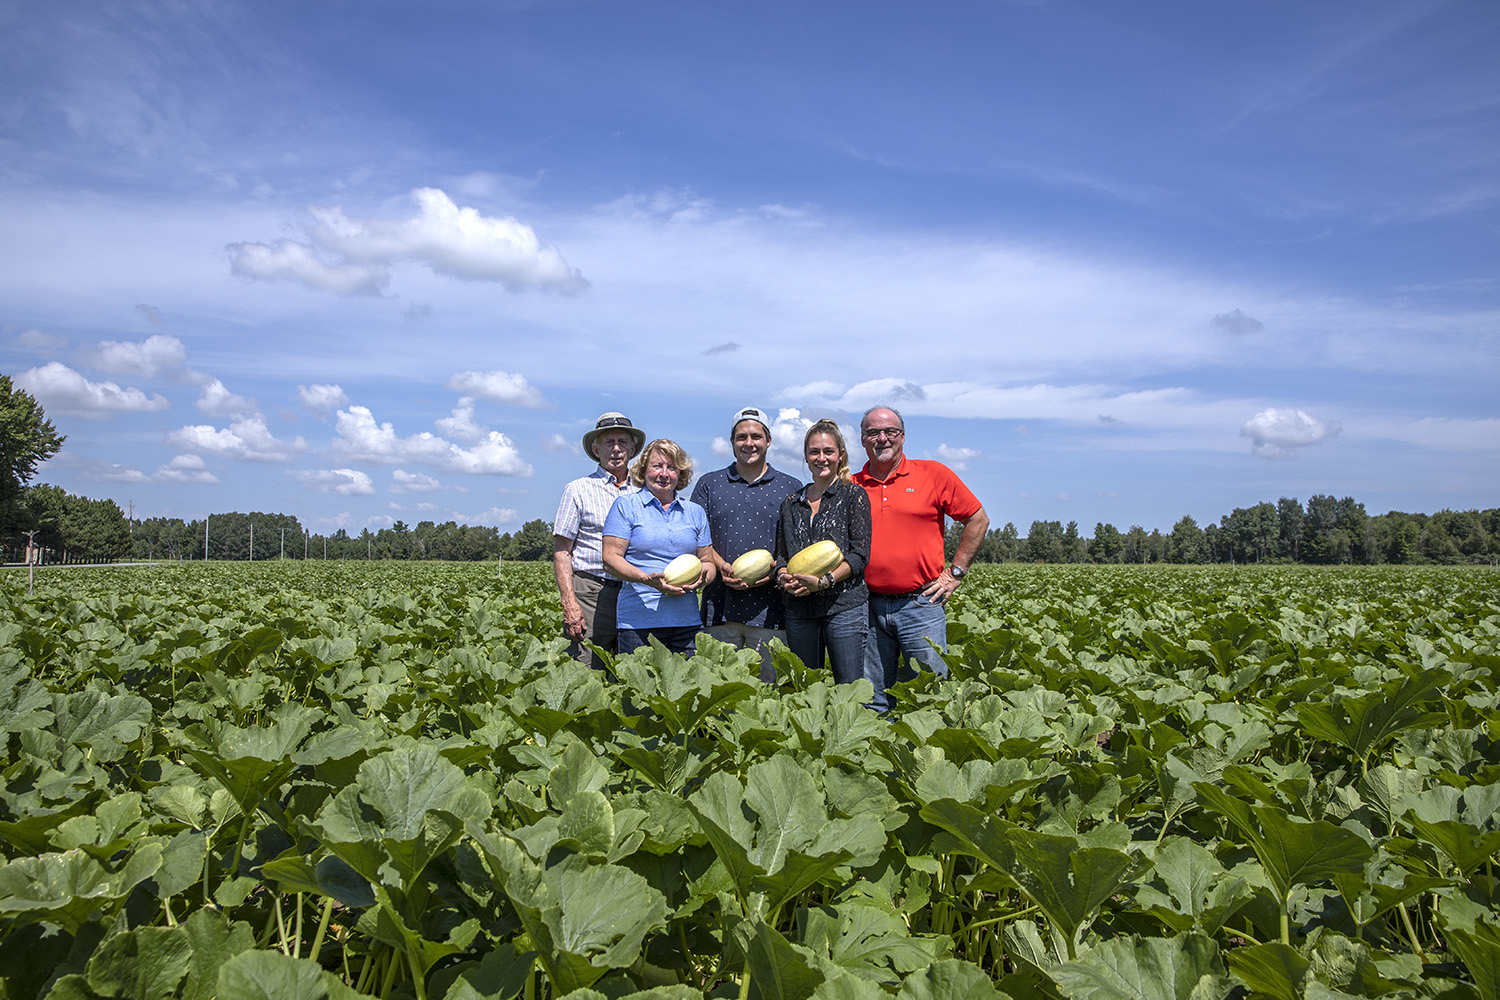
(361, 262)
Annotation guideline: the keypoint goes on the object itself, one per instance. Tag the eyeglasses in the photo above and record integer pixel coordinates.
(875, 433)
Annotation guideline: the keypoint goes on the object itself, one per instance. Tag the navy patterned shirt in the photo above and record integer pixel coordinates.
(843, 518)
(742, 517)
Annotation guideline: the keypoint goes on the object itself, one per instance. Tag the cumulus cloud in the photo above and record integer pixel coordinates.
(246, 438)
(1236, 322)
(60, 389)
(355, 257)
(1279, 432)
(558, 443)
(185, 469)
(957, 458)
(217, 401)
(156, 355)
(788, 428)
(320, 399)
(151, 314)
(495, 516)
(499, 387)
(413, 482)
(341, 482)
(461, 424)
(361, 439)
(112, 472)
(288, 260)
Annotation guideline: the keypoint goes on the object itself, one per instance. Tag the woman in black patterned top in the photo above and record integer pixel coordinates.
(828, 613)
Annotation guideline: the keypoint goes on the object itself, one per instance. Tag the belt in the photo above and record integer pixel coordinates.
(605, 580)
(910, 593)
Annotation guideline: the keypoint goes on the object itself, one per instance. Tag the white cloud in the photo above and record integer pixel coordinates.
(217, 401)
(342, 482)
(60, 389)
(40, 343)
(288, 260)
(156, 355)
(499, 387)
(788, 428)
(956, 458)
(185, 469)
(361, 439)
(499, 517)
(246, 438)
(321, 399)
(351, 256)
(461, 424)
(113, 472)
(558, 443)
(413, 482)
(1278, 432)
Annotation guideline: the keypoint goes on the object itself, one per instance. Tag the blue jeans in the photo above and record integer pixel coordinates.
(900, 627)
(841, 634)
(679, 640)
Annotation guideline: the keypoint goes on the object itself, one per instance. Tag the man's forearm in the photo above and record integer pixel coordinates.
(971, 538)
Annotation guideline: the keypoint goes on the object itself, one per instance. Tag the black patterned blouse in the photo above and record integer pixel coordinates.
(844, 519)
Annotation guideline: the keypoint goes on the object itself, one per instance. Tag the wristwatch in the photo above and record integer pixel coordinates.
(957, 571)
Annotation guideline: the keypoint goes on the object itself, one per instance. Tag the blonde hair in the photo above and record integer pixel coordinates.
(832, 430)
(674, 453)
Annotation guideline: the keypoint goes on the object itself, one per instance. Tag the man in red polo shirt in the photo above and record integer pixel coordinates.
(909, 583)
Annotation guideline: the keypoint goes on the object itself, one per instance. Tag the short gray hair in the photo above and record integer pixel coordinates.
(881, 406)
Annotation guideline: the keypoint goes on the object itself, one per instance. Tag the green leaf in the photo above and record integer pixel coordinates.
(270, 975)
(215, 941)
(1293, 851)
(500, 975)
(1185, 967)
(142, 964)
(1478, 947)
(777, 970)
(1067, 881)
(1364, 724)
(950, 979)
(1275, 969)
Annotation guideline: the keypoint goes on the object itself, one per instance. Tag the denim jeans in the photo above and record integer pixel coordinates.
(900, 627)
(841, 634)
(680, 639)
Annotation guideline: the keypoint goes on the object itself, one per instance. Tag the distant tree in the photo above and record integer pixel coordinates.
(1290, 519)
(1135, 549)
(1074, 550)
(1044, 542)
(1186, 543)
(1107, 544)
(27, 439)
(531, 543)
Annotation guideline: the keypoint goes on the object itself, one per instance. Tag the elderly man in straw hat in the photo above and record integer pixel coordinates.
(588, 591)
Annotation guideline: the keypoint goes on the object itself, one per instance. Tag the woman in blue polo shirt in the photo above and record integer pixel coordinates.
(643, 532)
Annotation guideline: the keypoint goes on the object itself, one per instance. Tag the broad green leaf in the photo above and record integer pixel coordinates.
(270, 975)
(1364, 724)
(1186, 967)
(1068, 882)
(1478, 947)
(1292, 851)
(1274, 969)
(142, 964)
(499, 975)
(215, 941)
(777, 970)
(950, 979)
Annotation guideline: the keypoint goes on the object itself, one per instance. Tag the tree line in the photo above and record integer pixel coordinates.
(228, 536)
(1326, 530)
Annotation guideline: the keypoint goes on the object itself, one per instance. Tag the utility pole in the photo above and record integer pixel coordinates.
(30, 559)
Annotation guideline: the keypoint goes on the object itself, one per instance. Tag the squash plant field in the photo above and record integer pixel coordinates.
(308, 780)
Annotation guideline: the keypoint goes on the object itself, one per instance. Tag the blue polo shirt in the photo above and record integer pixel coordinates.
(743, 516)
(654, 536)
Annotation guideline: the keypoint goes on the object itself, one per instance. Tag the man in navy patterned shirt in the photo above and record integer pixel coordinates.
(743, 503)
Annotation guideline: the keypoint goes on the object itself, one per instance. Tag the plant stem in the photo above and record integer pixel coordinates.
(1411, 934)
(317, 943)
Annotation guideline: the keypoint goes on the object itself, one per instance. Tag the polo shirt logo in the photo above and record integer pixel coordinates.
(911, 489)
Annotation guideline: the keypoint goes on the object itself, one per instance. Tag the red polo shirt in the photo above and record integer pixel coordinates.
(906, 515)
